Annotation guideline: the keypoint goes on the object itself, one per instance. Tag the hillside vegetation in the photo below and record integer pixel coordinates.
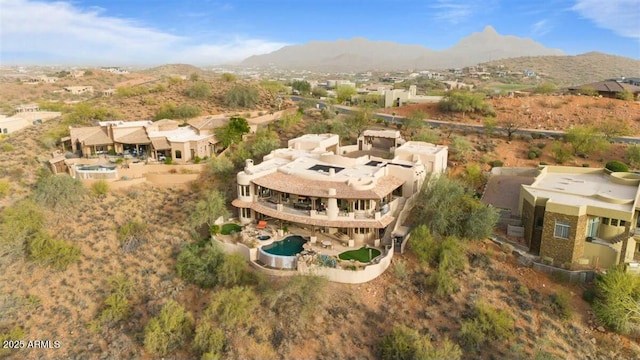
(574, 70)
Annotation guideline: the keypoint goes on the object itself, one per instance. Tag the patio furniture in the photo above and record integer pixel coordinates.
(261, 224)
(327, 244)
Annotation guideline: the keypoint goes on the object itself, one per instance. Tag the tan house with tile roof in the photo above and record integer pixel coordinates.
(315, 183)
(163, 138)
(582, 217)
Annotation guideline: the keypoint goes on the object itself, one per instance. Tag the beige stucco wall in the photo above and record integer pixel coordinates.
(601, 256)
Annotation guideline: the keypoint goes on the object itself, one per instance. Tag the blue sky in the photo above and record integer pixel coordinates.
(208, 32)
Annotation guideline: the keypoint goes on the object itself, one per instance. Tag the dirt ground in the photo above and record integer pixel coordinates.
(544, 112)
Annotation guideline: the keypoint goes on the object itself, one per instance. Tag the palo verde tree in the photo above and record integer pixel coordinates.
(414, 122)
(406, 343)
(58, 192)
(358, 122)
(465, 102)
(586, 140)
(207, 210)
(199, 90)
(302, 86)
(344, 93)
(244, 96)
(617, 302)
(232, 132)
(449, 208)
(169, 330)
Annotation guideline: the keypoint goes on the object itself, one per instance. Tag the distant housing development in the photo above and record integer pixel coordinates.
(582, 218)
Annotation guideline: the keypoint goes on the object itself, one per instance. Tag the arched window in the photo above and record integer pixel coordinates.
(178, 154)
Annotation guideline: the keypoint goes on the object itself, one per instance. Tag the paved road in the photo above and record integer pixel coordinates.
(459, 126)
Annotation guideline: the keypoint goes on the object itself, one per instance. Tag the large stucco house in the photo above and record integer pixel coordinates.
(582, 217)
(162, 138)
(344, 191)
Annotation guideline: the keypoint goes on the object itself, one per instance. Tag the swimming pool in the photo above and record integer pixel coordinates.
(282, 254)
(289, 246)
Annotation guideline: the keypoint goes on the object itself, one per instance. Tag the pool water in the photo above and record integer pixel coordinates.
(289, 246)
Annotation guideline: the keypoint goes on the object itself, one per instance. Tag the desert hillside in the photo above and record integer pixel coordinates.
(576, 69)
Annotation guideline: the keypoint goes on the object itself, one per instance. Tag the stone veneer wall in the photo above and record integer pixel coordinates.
(563, 250)
(528, 221)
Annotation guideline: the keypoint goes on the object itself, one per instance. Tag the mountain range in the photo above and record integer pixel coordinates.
(359, 54)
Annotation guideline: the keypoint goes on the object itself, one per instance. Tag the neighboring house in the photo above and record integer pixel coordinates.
(77, 90)
(454, 85)
(316, 183)
(581, 217)
(108, 92)
(27, 108)
(76, 73)
(114, 70)
(609, 88)
(158, 140)
(632, 81)
(389, 97)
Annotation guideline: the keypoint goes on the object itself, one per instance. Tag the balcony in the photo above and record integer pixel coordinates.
(302, 213)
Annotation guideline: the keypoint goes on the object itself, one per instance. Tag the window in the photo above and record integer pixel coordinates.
(178, 154)
(605, 221)
(623, 223)
(539, 222)
(562, 230)
(244, 190)
(245, 212)
(361, 230)
(592, 227)
(5, 130)
(361, 204)
(614, 222)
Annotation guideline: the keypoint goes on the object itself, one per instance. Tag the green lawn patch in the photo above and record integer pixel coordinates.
(230, 228)
(363, 254)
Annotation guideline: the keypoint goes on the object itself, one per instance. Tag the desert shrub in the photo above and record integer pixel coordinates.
(486, 324)
(166, 332)
(209, 340)
(116, 305)
(6, 147)
(241, 96)
(327, 261)
(232, 307)
(199, 90)
(12, 334)
(399, 268)
(560, 153)
(4, 188)
(233, 271)
(100, 188)
(632, 155)
(449, 208)
(228, 77)
(405, 343)
(617, 301)
(617, 166)
(47, 251)
(128, 91)
(426, 135)
(534, 152)
(496, 163)
(132, 234)
(171, 111)
(197, 159)
(198, 265)
(625, 95)
(168, 161)
(299, 298)
(561, 304)
(58, 192)
(589, 295)
(19, 223)
(424, 245)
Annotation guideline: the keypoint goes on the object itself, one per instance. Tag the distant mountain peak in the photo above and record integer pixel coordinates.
(358, 53)
(489, 30)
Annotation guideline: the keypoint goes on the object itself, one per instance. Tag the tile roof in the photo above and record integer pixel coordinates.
(136, 137)
(97, 137)
(317, 188)
(160, 143)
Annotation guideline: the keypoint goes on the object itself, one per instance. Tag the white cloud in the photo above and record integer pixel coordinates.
(620, 16)
(60, 32)
(541, 28)
(452, 11)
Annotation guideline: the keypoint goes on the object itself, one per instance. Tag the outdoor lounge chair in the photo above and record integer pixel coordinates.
(261, 224)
